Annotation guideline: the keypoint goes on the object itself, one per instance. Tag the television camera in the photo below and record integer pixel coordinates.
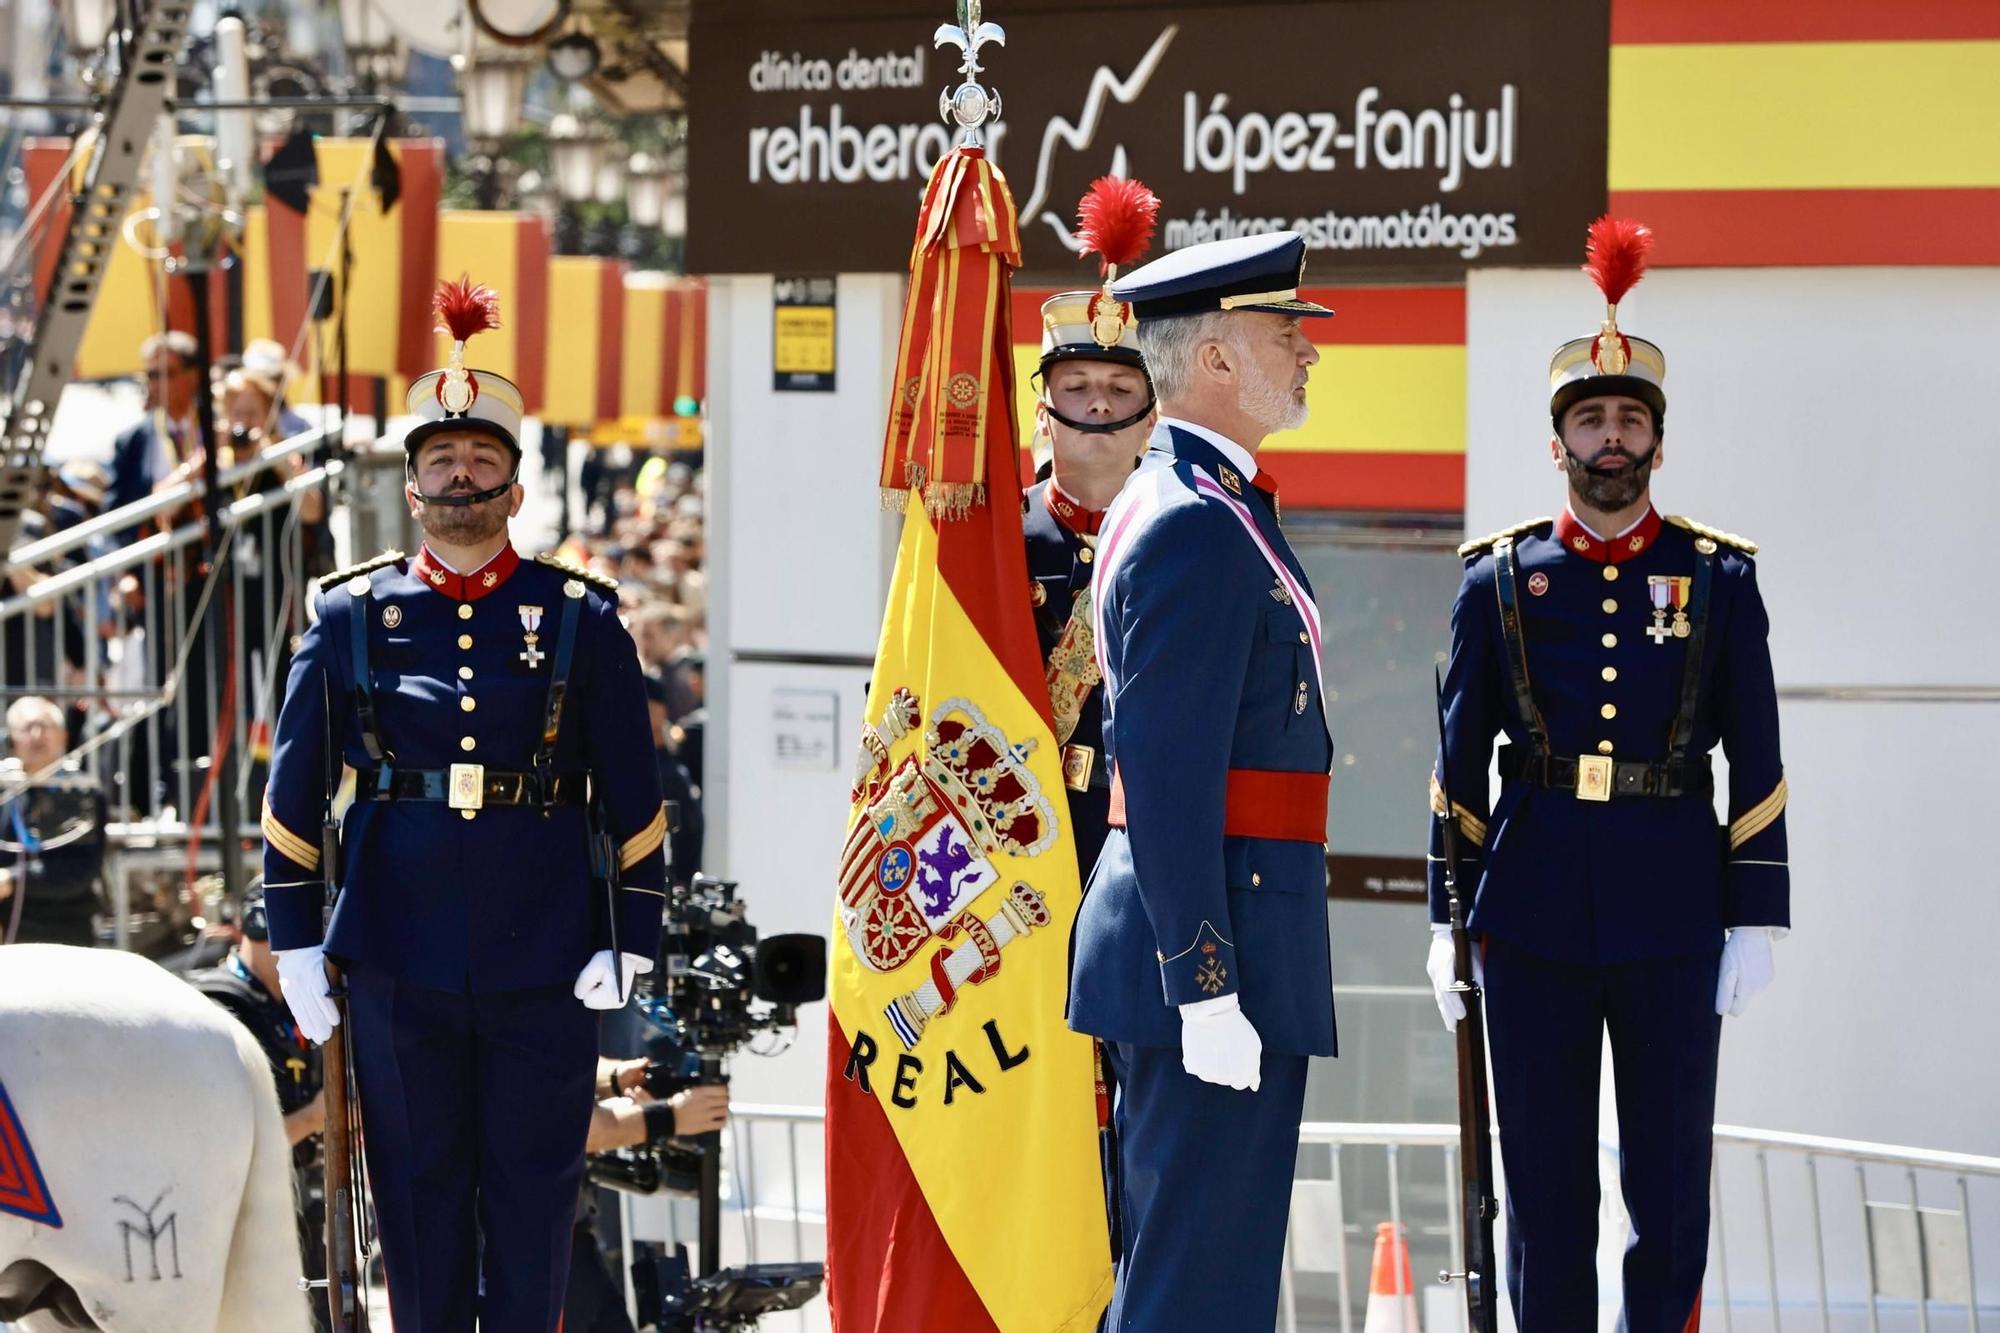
(718, 989)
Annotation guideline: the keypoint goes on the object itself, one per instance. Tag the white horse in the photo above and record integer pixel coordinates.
(156, 1126)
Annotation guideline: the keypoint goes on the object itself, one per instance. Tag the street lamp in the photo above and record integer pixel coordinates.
(491, 88)
(88, 23)
(610, 186)
(645, 189)
(574, 55)
(674, 218)
(574, 153)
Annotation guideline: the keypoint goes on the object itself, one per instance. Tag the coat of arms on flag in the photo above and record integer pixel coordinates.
(921, 850)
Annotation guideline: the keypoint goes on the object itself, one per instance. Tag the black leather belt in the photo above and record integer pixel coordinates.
(1601, 777)
(468, 786)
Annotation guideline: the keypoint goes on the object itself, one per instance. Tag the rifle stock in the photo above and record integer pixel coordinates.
(1475, 1116)
(346, 1304)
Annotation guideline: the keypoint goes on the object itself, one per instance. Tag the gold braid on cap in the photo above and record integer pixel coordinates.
(1615, 258)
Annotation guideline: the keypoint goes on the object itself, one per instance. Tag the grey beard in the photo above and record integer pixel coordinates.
(1268, 403)
(1607, 494)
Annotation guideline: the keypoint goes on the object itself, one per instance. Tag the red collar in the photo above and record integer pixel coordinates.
(1579, 540)
(465, 587)
(1083, 522)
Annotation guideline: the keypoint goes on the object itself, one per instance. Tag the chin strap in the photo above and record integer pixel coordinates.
(1102, 427)
(1637, 464)
(462, 501)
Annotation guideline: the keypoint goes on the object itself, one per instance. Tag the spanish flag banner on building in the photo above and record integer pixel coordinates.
(964, 1190)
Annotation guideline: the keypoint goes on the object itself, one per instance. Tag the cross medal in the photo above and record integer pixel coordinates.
(531, 621)
(1668, 591)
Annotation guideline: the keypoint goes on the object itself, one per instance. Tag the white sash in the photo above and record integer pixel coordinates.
(1136, 505)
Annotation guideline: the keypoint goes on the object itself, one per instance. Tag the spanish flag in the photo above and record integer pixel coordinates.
(964, 1190)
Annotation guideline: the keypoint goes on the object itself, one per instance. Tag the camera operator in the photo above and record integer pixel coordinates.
(51, 835)
(246, 984)
(626, 1115)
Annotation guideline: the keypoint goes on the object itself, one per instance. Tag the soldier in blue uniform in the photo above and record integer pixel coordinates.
(1615, 649)
(1201, 954)
(500, 876)
(1096, 410)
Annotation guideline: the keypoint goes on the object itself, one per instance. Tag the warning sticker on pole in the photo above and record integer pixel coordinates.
(803, 330)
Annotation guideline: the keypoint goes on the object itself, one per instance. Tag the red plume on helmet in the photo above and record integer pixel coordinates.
(1115, 221)
(1615, 255)
(465, 307)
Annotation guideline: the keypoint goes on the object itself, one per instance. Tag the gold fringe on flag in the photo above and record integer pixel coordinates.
(952, 417)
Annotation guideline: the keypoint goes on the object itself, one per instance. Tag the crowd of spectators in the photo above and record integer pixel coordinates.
(642, 525)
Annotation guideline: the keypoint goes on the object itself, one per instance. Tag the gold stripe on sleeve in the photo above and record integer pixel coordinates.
(645, 842)
(1758, 817)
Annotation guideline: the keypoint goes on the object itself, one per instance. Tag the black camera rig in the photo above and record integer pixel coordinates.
(718, 989)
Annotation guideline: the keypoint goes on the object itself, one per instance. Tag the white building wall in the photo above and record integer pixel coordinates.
(1845, 419)
(800, 557)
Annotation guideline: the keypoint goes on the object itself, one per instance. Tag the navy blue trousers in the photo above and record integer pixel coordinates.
(1546, 1023)
(474, 1110)
(1204, 1193)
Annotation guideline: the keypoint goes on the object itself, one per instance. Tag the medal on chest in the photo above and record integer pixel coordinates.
(1668, 592)
(531, 625)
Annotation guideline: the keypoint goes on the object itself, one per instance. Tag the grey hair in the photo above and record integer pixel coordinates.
(1169, 346)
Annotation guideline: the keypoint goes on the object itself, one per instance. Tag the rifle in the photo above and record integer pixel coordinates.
(1475, 1117)
(347, 1241)
(347, 1310)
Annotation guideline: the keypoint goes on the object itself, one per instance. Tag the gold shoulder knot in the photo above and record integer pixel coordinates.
(340, 576)
(602, 582)
(1480, 546)
(1716, 535)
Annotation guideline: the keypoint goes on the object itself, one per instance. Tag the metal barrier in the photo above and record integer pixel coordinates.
(108, 618)
(1893, 1256)
(1828, 1260)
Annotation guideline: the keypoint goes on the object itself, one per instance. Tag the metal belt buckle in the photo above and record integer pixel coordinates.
(1593, 777)
(466, 789)
(1078, 761)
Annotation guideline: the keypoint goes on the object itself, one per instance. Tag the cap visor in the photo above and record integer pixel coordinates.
(1303, 309)
(423, 430)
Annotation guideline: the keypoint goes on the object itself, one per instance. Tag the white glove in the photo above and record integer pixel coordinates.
(600, 987)
(1747, 967)
(1218, 1044)
(1442, 965)
(302, 977)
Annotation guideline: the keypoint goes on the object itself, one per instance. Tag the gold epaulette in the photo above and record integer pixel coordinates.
(603, 582)
(1474, 548)
(1716, 535)
(328, 582)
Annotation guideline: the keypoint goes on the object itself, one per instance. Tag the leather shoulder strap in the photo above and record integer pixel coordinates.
(545, 754)
(1682, 734)
(364, 685)
(1509, 597)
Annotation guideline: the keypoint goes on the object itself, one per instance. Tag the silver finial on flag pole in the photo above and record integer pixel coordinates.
(971, 105)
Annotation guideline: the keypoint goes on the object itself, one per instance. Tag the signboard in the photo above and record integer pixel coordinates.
(804, 730)
(1378, 879)
(1415, 138)
(803, 330)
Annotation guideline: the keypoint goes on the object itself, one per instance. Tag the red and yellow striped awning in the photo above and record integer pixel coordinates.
(509, 252)
(586, 323)
(278, 250)
(1387, 430)
(665, 344)
(1808, 132)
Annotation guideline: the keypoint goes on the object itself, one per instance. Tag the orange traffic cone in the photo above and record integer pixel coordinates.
(1392, 1297)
